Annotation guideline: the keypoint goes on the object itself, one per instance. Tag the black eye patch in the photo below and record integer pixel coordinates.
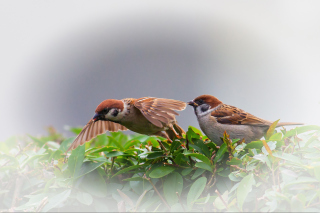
(200, 102)
(115, 113)
(204, 107)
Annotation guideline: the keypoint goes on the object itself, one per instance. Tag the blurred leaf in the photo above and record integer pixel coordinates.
(172, 184)
(197, 173)
(245, 186)
(196, 190)
(126, 198)
(56, 200)
(141, 185)
(186, 171)
(271, 129)
(75, 160)
(218, 203)
(66, 144)
(84, 198)
(276, 137)
(94, 184)
(161, 171)
(302, 129)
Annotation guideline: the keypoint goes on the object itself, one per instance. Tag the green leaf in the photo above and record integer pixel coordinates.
(113, 153)
(200, 157)
(161, 171)
(84, 198)
(56, 200)
(201, 147)
(141, 185)
(66, 144)
(186, 171)
(271, 129)
(245, 186)
(192, 134)
(126, 198)
(203, 165)
(94, 184)
(254, 145)
(220, 153)
(196, 190)
(127, 169)
(197, 173)
(88, 167)
(75, 160)
(154, 155)
(276, 137)
(302, 129)
(234, 161)
(288, 157)
(172, 184)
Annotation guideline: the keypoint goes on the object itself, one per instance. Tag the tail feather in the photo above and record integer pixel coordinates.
(289, 123)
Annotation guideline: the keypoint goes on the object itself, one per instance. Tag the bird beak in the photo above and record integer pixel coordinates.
(96, 117)
(192, 103)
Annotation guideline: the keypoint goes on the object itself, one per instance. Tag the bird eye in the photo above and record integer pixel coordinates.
(115, 113)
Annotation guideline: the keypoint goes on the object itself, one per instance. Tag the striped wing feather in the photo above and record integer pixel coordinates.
(92, 129)
(159, 110)
(226, 114)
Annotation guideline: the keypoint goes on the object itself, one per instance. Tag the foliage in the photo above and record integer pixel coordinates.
(119, 172)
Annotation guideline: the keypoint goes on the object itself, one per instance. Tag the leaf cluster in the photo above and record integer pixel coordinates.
(119, 172)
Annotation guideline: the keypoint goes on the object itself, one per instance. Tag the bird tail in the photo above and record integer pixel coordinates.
(289, 123)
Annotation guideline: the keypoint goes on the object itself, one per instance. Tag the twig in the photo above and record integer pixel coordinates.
(180, 202)
(42, 204)
(163, 200)
(112, 163)
(16, 193)
(224, 202)
(239, 168)
(162, 146)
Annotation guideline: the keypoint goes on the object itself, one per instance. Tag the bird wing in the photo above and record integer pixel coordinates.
(226, 114)
(94, 128)
(159, 110)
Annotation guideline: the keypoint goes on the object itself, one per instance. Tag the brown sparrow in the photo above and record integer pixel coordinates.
(147, 115)
(215, 117)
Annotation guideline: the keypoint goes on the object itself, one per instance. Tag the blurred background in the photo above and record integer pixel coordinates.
(60, 59)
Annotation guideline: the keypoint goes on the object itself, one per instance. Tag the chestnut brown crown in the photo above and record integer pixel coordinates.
(208, 99)
(110, 103)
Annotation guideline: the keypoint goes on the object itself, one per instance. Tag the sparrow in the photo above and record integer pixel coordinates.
(147, 115)
(215, 117)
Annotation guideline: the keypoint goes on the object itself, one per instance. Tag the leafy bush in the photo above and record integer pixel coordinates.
(119, 172)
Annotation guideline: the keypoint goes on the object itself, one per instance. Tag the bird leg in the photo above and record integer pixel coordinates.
(164, 135)
(175, 132)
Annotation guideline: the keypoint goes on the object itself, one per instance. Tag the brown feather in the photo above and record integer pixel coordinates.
(226, 114)
(92, 129)
(159, 110)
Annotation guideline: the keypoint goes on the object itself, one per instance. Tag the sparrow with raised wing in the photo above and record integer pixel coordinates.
(215, 117)
(147, 115)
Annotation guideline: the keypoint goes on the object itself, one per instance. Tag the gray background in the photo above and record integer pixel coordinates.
(60, 59)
